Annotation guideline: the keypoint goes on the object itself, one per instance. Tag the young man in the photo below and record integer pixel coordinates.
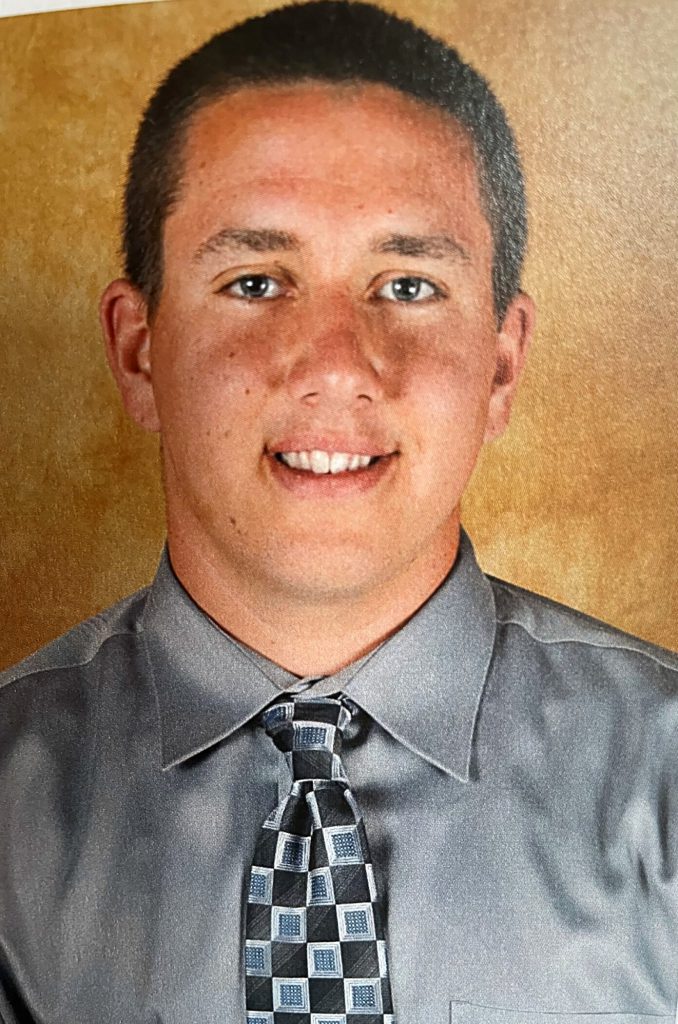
(322, 318)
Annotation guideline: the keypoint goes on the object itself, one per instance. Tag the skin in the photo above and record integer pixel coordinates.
(319, 350)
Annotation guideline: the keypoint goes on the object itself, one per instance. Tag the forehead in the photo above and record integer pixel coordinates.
(351, 147)
(307, 104)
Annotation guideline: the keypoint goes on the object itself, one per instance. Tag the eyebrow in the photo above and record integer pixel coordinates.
(270, 240)
(250, 239)
(434, 246)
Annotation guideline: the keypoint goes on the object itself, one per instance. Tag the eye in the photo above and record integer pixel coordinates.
(409, 289)
(254, 286)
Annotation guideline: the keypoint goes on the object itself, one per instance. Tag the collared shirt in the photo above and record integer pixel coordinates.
(515, 763)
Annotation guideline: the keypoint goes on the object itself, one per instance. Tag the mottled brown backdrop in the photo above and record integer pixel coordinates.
(578, 502)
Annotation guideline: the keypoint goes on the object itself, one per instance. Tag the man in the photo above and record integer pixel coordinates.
(322, 318)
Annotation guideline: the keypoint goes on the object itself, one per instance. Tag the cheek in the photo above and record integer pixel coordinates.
(447, 368)
(444, 404)
(207, 375)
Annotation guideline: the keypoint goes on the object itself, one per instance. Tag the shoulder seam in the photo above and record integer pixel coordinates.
(59, 666)
(588, 643)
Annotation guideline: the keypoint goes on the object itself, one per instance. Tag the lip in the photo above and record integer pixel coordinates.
(306, 484)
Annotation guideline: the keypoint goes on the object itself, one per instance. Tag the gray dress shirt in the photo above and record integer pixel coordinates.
(515, 762)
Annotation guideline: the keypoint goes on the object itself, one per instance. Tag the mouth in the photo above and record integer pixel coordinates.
(329, 472)
(322, 463)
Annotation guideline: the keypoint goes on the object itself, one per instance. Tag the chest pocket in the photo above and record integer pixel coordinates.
(469, 1013)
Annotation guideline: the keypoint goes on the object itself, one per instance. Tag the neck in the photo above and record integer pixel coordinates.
(305, 634)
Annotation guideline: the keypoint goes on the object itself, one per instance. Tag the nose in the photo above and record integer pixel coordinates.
(335, 360)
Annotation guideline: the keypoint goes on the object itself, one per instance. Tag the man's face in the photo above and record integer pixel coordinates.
(326, 301)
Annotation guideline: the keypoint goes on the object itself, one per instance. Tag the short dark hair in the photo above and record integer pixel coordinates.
(329, 41)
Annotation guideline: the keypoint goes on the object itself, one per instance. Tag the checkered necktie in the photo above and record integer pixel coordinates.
(314, 949)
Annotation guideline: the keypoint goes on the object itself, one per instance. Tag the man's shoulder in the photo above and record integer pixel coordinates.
(551, 625)
(79, 646)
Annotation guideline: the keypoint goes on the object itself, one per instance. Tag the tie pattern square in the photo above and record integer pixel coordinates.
(315, 950)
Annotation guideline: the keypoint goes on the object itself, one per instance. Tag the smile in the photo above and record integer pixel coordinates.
(319, 471)
(322, 462)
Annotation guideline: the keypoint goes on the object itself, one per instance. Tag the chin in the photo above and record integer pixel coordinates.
(325, 575)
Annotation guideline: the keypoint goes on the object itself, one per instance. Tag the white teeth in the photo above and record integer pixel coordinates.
(325, 462)
(339, 462)
(320, 461)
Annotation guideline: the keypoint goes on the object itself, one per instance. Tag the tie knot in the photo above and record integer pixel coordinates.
(310, 733)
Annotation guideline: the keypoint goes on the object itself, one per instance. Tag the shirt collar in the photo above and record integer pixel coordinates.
(423, 685)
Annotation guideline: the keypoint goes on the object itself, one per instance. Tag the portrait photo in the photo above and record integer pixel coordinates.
(585, 482)
(339, 493)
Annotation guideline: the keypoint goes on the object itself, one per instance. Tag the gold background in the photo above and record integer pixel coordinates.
(578, 501)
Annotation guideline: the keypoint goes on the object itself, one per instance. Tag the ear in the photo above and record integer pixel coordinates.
(513, 343)
(123, 313)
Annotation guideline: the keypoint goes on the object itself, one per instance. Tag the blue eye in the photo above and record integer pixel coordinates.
(254, 286)
(408, 289)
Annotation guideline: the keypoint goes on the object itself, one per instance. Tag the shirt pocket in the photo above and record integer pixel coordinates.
(470, 1013)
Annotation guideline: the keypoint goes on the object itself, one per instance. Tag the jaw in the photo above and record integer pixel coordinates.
(267, 527)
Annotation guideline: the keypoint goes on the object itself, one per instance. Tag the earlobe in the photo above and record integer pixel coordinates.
(513, 343)
(123, 314)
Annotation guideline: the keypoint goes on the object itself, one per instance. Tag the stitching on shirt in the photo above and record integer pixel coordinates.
(87, 802)
(587, 642)
(92, 625)
(57, 667)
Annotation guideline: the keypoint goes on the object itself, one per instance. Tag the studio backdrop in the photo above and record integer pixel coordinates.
(579, 501)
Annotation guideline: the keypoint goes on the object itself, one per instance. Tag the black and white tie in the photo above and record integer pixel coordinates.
(315, 951)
